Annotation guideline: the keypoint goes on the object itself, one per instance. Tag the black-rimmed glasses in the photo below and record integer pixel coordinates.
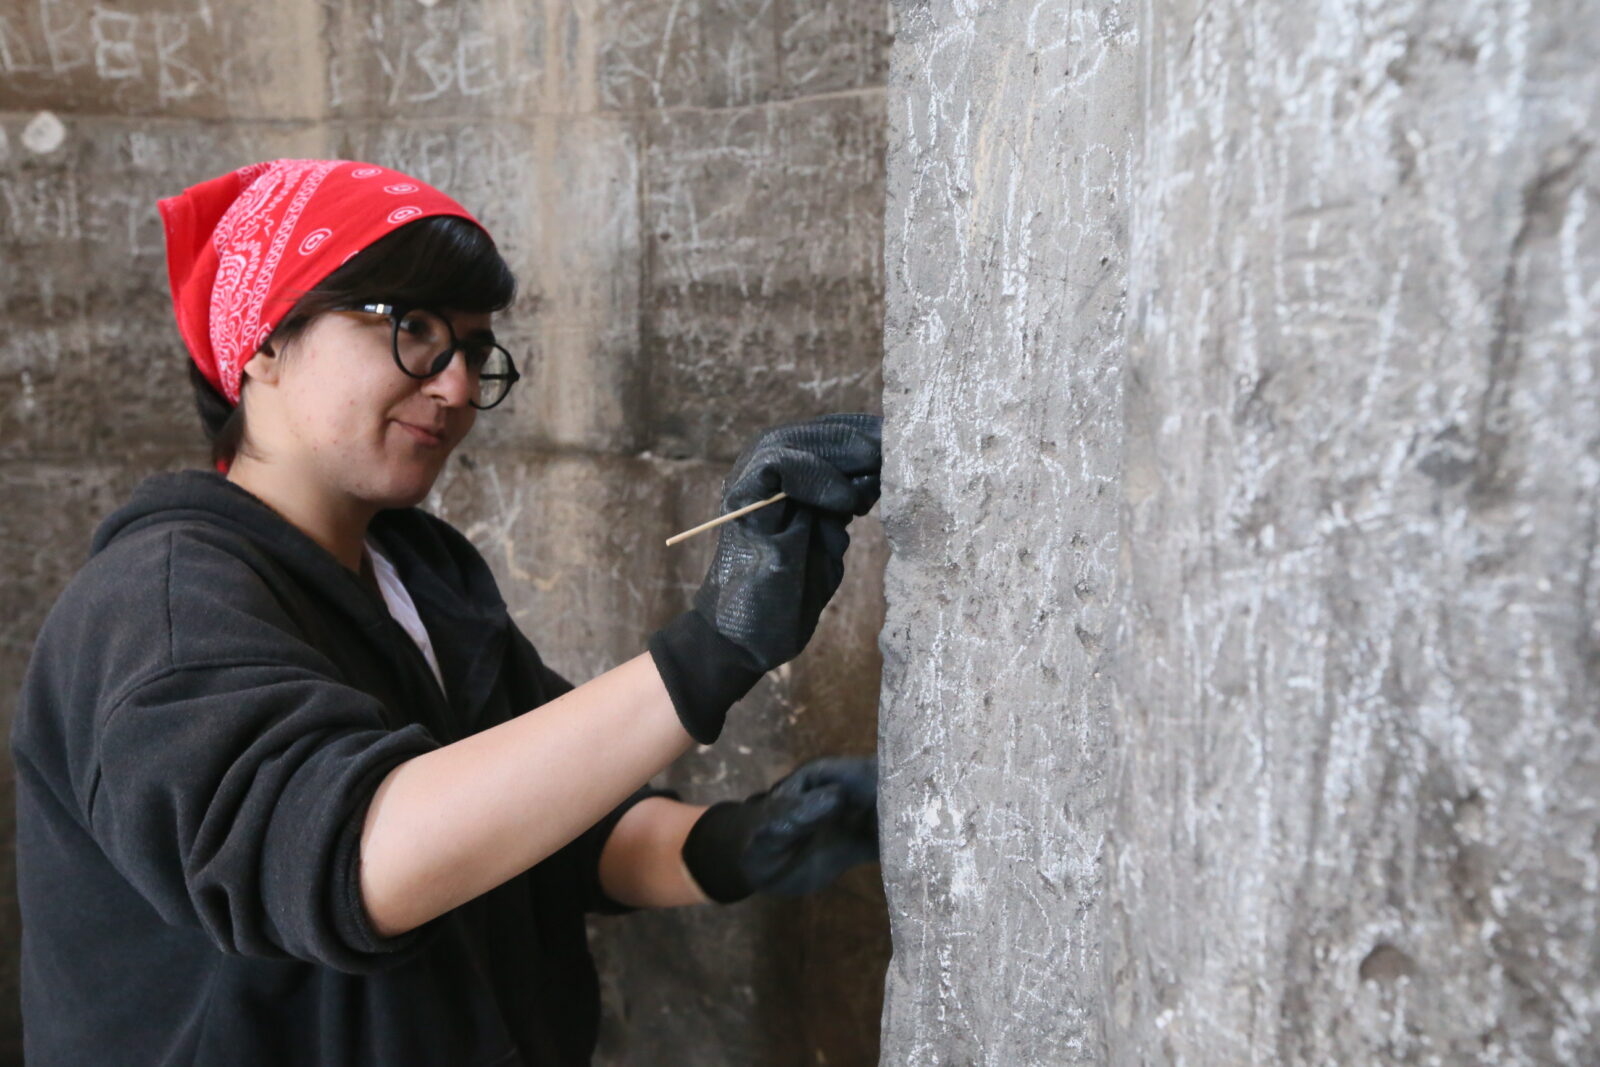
(423, 343)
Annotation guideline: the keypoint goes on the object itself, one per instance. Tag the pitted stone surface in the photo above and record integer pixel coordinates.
(1357, 735)
(1241, 656)
(1011, 133)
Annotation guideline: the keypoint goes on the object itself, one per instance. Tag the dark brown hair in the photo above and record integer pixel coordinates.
(441, 261)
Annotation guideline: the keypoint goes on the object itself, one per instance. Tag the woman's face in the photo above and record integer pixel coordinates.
(344, 415)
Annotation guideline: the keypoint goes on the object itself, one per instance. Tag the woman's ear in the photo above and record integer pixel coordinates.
(263, 366)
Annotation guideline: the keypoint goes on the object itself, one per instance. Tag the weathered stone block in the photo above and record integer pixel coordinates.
(167, 57)
(1319, 505)
(98, 365)
(655, 54)
(428, 60)
(1360, 760)
(831, 46)
(1003, 348)
(764, 271)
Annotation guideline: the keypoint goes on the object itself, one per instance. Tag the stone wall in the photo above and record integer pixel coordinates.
(690, 193)
(1243, 645)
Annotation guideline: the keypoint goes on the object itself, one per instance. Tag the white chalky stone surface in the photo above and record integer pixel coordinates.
(1245, 355)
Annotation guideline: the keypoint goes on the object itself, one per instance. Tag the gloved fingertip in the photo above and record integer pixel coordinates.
(867, 489)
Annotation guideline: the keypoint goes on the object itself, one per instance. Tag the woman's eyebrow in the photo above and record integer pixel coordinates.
(482, 333)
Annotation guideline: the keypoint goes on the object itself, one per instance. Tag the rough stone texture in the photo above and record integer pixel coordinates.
(173, 58)
(1356, 819)
(404, 59)
(722, 53)
(1340, 582)
(83, 287)
(589, 136)
(1011, 131)
(736, 308)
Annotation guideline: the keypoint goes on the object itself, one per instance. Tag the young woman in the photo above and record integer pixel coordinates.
(292, 786)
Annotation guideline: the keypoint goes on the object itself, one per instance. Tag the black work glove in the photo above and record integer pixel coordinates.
(795, 838)
(775, 569)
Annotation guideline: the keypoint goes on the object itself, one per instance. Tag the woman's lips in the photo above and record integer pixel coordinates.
(427, 437)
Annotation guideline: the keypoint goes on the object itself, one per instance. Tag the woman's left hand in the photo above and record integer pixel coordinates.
(794, 838)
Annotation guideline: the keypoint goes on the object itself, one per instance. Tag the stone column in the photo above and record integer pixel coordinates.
(1012, 128)
(1242, 658)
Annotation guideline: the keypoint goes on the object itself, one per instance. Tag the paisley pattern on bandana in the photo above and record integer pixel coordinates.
(249, 240)
(242, 247)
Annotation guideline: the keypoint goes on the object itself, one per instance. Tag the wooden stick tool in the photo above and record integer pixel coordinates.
(729, 517)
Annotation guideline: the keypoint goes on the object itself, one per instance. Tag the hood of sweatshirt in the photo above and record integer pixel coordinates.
(445, 575)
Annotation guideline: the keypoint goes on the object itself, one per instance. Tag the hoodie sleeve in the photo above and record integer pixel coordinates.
(586, 848)
(233, 774)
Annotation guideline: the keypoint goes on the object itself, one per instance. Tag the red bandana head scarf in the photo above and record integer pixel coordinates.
(243, 247)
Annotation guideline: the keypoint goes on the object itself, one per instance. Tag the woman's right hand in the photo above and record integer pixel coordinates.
(775, 569)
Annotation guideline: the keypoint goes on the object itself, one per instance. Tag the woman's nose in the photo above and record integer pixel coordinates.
(454, 384)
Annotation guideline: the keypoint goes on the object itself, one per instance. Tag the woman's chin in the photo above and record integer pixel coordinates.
(408, 487)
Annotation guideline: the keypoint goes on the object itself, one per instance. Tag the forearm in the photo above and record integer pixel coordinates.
(454, 823)
(642, 863)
